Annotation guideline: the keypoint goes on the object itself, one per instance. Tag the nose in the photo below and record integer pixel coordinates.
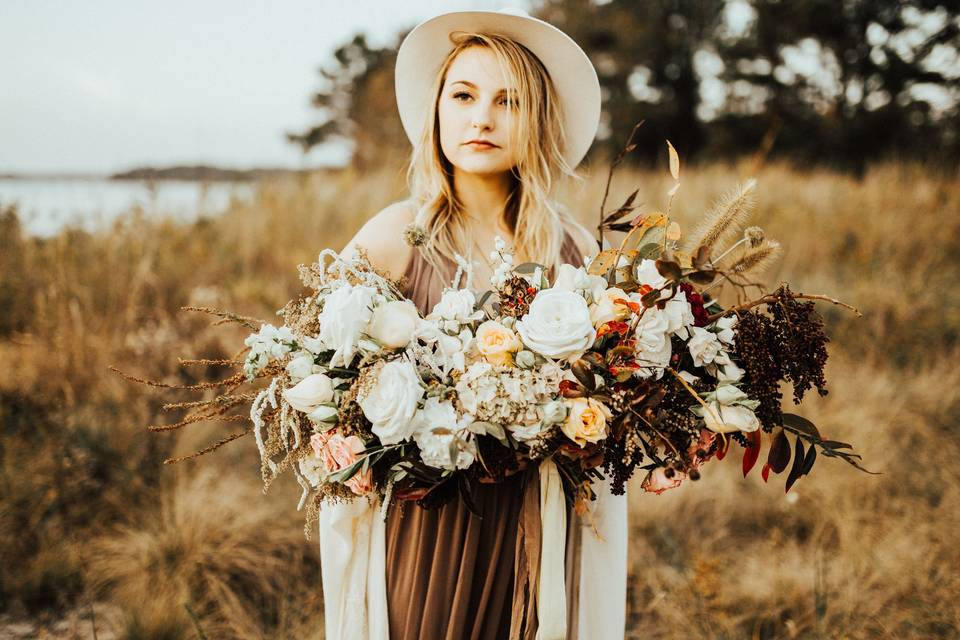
(482, 117)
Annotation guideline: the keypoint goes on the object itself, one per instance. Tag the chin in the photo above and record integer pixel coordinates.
(480, 166)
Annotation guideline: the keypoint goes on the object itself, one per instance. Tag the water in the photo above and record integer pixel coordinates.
(47, 205)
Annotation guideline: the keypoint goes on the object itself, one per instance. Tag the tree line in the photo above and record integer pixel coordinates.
(840, 83)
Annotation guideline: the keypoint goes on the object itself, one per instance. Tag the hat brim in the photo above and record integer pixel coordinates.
(426, 47)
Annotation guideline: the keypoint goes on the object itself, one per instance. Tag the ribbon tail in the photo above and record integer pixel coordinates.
(551, 587)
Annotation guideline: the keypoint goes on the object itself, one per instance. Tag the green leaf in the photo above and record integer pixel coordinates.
(801, 424)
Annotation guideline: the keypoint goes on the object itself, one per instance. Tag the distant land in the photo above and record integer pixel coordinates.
(197, 173)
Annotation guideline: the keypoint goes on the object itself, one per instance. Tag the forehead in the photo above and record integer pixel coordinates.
(478, 66)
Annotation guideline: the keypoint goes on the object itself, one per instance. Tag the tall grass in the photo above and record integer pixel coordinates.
(87, 510)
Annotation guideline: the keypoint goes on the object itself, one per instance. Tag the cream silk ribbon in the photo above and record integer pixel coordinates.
(551, 590)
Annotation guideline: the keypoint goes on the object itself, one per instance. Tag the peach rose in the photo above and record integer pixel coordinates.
(586, 421)
(607, 309)
(338, 452)
(496, 343)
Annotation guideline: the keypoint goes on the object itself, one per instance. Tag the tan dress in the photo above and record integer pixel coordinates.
(452, 575)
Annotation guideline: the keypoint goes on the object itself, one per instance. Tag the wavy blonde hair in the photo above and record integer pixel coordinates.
(537, 222)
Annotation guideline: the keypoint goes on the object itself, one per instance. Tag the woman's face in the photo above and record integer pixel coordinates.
(474, 106)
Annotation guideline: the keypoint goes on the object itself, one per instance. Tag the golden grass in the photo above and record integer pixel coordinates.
(88, 512)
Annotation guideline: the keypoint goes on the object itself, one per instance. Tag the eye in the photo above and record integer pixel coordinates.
(458, 94)
(508, 102)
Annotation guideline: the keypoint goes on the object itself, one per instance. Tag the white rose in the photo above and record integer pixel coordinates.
(653, 346)
(323, 413)
(455, 304)
(557, 324)
(346, 313)
(704, 346)
(435, 447)
(312, 469)
(728, 394)
(310, 392)
(301, 366)
(605, 308)
(725, 326)
(730, 372)
(570, 278)
(393, 324)
(679, 315)
(726, 419)
(392, 401)
(647, 274)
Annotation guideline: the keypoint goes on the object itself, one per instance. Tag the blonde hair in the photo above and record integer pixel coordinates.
(537, 223)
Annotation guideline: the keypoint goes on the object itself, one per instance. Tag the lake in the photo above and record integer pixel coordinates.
(47, 205)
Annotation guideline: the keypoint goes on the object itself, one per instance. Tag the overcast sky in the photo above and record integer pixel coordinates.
(106, 85)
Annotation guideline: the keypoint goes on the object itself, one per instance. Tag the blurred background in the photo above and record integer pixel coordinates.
(195, 154)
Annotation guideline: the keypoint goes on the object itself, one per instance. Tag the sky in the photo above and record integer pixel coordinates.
(106, 85)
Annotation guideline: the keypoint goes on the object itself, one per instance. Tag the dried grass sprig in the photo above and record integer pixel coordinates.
(237, 377)
(211, 417)
(229, 362)
(727, 215)
(228, 316)
(222, 400)
(213, 447)
(757, 259)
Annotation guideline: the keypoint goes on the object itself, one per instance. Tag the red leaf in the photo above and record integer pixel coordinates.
(722, 451)
(765, 472)
(779, 455)
(751, 453)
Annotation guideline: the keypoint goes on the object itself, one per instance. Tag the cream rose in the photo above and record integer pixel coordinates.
(557, 324)
(653, 347)
(496, 343)
(310, 393)
(394, 323)
(392, 401)
(586, 420)
(606, 308)
(346, 313)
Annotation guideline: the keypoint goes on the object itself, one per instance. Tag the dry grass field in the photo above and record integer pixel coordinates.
(96, 531)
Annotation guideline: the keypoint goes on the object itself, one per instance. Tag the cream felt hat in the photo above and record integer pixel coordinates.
(426, 47)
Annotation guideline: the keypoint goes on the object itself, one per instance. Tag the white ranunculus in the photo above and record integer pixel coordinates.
(653, 346)
(726, 419)
(571, 278)
(704, 346)
(392, 401)
(554, 412)
(435, 448)
(301, 366)
(455, 304)
(394, 323)
(310, 392)
(725, 326)
(346, 313)
(557, 325)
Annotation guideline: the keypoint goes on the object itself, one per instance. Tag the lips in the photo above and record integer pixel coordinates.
(481, 144)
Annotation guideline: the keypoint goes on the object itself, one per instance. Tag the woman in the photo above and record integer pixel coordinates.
(498, 106)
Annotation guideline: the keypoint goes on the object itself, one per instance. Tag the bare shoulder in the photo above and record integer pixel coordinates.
(382, 238)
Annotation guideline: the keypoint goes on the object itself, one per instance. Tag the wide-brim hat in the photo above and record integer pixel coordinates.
(425, 48)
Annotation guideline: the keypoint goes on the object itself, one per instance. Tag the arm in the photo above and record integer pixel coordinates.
(381, 237)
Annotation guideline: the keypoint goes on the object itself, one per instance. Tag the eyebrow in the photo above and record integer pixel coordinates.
(473, 86)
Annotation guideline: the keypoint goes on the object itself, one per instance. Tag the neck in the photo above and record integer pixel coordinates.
(484, 198)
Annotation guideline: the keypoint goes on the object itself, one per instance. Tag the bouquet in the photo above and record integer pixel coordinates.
(627, 364)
